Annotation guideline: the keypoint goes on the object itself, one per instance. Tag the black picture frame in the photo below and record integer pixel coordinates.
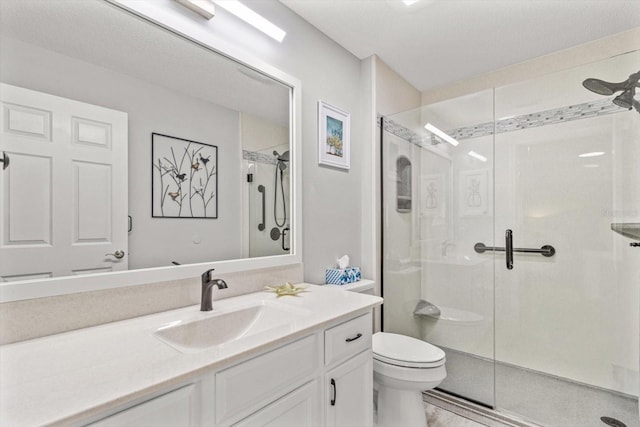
(184, 178)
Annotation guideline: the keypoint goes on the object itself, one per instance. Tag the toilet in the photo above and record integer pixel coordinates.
(403, 367)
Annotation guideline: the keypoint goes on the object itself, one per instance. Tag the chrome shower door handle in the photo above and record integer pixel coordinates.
(508, 248)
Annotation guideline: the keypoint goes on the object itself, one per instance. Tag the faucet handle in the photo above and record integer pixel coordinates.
(206, 276)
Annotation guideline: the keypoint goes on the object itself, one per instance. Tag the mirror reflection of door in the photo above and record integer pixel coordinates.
(89, 51)
(64, 197)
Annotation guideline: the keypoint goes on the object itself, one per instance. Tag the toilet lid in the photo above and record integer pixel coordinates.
(406, 351)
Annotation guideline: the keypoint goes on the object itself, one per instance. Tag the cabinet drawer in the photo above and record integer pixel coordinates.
(256, 382)
(347, 339)
(176, 408)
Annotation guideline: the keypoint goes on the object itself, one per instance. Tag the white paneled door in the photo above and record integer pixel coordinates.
(63, 197)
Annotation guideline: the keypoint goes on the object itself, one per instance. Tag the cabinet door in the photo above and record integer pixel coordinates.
(176, 408)
(349, 392)
(300, 408)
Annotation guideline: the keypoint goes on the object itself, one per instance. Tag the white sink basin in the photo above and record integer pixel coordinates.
(219, 329)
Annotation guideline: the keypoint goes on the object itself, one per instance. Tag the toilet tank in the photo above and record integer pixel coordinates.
(363, 286)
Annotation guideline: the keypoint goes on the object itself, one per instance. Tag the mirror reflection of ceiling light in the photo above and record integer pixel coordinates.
(252, 18)
(592, 154)
(434, 130)
(203, 8)
(477, 156)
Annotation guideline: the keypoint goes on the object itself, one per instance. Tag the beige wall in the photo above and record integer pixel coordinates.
(558, 61)
(393, 94)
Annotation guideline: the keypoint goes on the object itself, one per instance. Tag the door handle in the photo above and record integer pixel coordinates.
(508, 248)
(261, 189)
(284, 233)
(117, 254)
(4, 160)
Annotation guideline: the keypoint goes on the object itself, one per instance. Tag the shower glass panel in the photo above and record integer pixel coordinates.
(266, 191)
(567, 166)
(436, 287)
(520, 255)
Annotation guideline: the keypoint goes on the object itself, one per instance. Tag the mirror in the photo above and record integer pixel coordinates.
(133, 147)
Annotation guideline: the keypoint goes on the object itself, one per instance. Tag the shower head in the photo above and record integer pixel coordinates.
(284, 157)
(607, 88)
(627, 87)
(625, 99)
(603, 88)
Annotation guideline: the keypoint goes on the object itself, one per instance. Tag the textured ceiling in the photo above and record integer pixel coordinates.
(438, 42)
(99, 33)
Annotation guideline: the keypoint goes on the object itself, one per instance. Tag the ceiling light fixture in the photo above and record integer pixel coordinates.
(434, 130)
(203, 8)
(252, 18)
(592, 154)
(409, 2)
(477, 156)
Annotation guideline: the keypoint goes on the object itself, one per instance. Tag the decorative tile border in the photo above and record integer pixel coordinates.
(549, 117)
(254, 156)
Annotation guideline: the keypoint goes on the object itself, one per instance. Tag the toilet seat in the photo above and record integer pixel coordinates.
(401, 350)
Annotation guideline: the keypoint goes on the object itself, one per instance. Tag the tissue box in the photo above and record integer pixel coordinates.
(337, 276)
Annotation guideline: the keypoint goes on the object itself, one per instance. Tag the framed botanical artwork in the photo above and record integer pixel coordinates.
(334, 139)
(184, 182)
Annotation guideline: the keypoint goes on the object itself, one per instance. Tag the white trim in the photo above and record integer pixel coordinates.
(148, 11)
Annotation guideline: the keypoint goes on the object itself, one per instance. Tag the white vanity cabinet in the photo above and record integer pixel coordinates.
(249, 386)
(349, 374)
(322, 379)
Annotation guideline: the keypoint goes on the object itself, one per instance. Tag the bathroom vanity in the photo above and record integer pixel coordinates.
(256, 359)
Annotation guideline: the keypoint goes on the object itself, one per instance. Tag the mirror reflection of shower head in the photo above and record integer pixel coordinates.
(283, 159)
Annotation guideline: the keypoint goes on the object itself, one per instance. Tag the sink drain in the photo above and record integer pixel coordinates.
(612, 422)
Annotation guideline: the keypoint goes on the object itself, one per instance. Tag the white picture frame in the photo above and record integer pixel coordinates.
(334, 136)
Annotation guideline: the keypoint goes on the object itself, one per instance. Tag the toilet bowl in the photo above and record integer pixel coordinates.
(403, 367)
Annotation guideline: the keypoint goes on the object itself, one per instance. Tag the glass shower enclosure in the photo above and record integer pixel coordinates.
(511, 222)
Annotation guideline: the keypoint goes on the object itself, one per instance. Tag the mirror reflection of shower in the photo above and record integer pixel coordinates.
(628, 88)
(282, 163)
(281, 166)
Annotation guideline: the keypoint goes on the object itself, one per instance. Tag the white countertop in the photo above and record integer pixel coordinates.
(75, 375)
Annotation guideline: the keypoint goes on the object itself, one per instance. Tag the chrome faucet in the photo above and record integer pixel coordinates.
(206, 302)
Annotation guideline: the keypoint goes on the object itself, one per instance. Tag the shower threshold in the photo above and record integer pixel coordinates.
(530, 395)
